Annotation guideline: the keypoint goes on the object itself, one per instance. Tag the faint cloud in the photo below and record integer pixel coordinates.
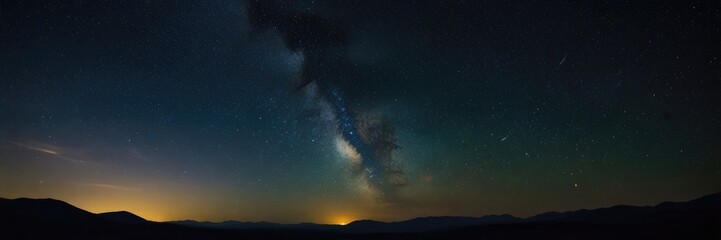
(67, 154)
(39, 149)
(427, 178)
(109, 186)
(136, 154)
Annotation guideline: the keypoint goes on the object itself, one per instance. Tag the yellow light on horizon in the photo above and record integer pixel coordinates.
(341, 220)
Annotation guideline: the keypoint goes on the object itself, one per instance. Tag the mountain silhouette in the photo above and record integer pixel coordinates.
(123, 217)
(704, 208)
(426, 224)
(25, 218)
(44, 210)
(253, 225)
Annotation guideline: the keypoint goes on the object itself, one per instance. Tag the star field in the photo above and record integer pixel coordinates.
(328, 112)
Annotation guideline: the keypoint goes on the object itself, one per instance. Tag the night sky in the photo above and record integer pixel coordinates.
(328, 112)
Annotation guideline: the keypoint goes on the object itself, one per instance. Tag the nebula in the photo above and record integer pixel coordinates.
(366, 138)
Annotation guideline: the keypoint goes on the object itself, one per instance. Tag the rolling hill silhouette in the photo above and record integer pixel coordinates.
(426, 224)
(25, 218)
(123, 217)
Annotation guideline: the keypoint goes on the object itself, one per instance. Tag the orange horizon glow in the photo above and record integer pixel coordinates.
(341, 220)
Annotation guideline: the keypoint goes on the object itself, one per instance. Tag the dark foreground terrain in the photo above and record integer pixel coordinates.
(52, 219)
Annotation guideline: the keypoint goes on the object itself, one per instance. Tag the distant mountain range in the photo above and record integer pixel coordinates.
(365, 226)
(123, 217)
(701, 208)
(25, 218)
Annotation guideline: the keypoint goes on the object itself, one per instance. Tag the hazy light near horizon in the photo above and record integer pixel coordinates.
(335, 111)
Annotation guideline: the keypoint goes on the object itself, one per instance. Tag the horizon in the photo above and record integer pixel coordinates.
(335, 111)
(341, 221)
(345, 221)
